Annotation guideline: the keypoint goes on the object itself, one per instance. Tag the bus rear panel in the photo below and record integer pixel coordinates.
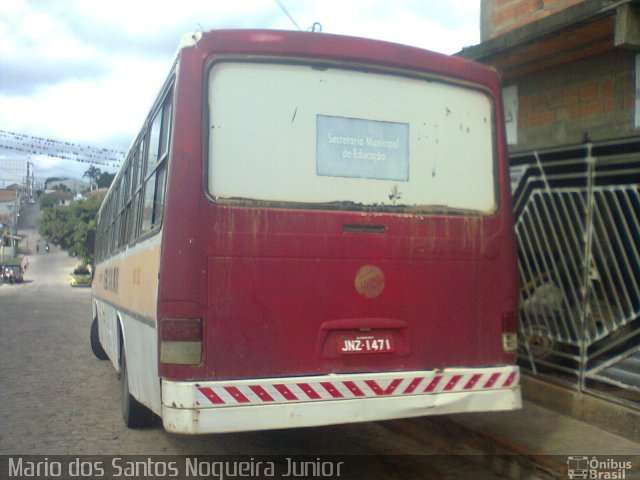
(355, 255)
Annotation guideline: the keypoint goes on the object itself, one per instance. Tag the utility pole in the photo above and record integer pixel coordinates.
(30, 181)
(16, 210)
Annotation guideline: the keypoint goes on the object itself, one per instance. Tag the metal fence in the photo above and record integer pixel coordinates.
(578, 228)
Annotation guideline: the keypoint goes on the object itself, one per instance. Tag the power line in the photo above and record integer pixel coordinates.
(58, 149)
(286, 12)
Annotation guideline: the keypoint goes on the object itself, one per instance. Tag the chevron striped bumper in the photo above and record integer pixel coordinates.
(225, 406)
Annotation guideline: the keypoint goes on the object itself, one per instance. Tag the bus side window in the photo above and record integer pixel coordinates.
(154, 192)
(154, 142)
(139, 197)
(157, 158)
(133, 197)
(147, 208)
(161, 185)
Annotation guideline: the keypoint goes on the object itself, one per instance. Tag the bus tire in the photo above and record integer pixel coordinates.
(134, 414)
(96, 346)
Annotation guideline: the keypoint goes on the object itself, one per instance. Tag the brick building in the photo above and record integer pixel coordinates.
(568, 66)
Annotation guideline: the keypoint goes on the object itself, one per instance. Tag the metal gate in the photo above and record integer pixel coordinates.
(577, 215)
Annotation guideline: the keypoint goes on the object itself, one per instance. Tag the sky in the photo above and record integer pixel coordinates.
(86, 72)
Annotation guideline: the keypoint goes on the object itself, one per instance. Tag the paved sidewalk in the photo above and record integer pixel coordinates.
(544, 440)
(536, 442)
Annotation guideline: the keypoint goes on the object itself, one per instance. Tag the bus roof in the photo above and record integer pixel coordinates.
(342, 48)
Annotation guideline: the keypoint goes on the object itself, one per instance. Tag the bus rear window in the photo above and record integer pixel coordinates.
(313, 137)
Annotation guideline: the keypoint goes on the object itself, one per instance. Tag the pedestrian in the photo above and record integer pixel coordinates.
(37, 248)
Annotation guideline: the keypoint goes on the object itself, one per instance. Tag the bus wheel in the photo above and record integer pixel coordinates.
(96, 347)
(134, 414)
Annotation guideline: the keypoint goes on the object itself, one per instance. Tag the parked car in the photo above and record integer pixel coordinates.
(81, 277)
(12, 274)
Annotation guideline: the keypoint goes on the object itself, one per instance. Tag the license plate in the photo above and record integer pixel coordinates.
(350, 344)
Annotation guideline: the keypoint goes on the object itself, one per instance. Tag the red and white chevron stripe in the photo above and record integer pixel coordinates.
(343, 387)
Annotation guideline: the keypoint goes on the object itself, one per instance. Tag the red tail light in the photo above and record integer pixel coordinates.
(181, 341)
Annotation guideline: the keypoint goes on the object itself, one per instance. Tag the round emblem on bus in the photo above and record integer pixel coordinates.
(369, 281)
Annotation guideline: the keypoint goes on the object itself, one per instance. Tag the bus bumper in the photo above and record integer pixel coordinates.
(266, 404)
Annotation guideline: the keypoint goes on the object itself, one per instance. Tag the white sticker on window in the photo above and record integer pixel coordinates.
(356, 148)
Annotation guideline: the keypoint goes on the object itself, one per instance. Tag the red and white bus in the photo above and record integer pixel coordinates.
(310, 229)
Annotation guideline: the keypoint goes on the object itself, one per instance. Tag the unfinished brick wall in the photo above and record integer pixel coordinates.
(593, 97)
(501, 16)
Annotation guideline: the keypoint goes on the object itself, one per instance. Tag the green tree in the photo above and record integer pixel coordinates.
(93, 173)
(49, 200)
(105, 179)
(72, 227)
(62, 188)
(54, 198)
